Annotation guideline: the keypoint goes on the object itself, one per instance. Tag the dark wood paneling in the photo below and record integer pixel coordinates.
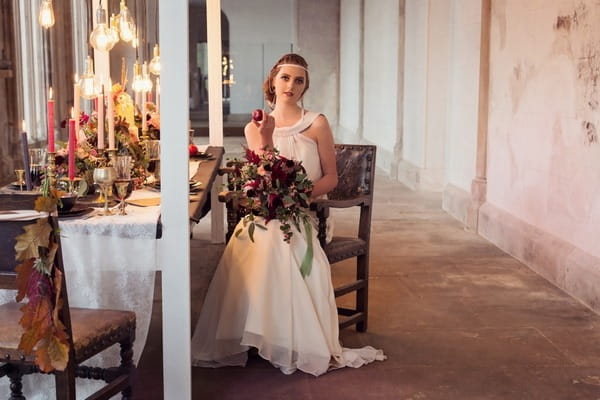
(9, 138)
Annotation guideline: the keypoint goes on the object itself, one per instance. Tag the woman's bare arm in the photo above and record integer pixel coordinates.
(320, 132)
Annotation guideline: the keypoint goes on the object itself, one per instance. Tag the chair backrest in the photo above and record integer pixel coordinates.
(8, 232)
(356, 171)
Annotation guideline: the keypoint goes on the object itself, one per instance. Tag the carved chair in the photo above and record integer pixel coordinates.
(356, 173)
(89, 331)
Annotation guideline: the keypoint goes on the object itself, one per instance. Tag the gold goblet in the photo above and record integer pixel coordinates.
(105, 177)
(20, 178)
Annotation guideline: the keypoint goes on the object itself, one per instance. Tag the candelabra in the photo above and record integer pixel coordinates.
(52, 168)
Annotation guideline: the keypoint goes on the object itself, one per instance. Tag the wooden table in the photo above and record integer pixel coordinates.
(206, 173)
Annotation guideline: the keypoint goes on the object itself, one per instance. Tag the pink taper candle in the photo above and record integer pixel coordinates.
(72, 145)
(100, 114)
(50, 122)
(76, 102)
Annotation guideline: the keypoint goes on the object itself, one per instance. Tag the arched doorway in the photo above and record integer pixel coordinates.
(199, 68)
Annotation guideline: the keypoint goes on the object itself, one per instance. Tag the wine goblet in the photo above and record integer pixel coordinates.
(153, 154)
(122, 189)
(123, 186)
(37, 163)
(104, 177)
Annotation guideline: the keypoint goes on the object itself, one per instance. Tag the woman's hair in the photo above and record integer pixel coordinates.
(291, 58)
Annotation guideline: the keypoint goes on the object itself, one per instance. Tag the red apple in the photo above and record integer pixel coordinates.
(257, 115)
(193, 149)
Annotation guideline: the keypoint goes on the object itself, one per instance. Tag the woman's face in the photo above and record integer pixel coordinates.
(290, 83)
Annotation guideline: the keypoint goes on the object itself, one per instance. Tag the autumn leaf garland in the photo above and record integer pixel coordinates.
(40, 283)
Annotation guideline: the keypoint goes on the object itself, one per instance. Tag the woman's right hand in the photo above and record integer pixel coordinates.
(263, 132)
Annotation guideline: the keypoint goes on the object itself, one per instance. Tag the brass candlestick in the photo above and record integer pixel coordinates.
(20, 178)
(145, 135)
(72, 185)
(52, 168)
(112, 155)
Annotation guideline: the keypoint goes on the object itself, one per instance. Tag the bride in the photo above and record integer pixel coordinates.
(258, 297)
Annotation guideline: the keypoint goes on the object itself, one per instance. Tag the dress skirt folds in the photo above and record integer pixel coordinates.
(258, 297)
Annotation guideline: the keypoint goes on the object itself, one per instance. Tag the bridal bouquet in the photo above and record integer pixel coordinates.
(274, 187)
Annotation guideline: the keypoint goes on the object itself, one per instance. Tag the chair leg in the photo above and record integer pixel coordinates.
(127, 365)
(65, 383)
(16, 385)
(362, 294)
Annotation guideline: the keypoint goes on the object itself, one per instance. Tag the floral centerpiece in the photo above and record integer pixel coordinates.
(127, 139)
(86, 157)
(275, 187)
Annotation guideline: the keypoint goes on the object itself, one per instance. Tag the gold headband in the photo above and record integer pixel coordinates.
(292, 65)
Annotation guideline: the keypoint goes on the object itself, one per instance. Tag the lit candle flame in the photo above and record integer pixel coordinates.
(50, 93)
(72, 113)
(76, 78)
(23, 126)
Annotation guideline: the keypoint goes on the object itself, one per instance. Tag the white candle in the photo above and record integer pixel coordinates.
(76, 100)
(110, 116)
(158, 95)
(144, 112)
(100, 115)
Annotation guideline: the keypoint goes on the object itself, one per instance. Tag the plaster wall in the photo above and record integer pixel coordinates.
(437, 83)
(380, 104)
(463, 93)
(415, 81)
(260, 31)
(318, 39)
(544, 158)
(350, 67)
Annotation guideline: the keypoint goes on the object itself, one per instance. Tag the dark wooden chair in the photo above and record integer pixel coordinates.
(89, 331)
(356, 173)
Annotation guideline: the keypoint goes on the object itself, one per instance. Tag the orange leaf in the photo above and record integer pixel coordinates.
(58, 352)
(35, 235)
(23, 273)
(42, 356)
(47, 204)
(29, 339)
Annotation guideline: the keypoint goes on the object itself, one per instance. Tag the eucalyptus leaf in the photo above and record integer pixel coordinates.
(251, 231)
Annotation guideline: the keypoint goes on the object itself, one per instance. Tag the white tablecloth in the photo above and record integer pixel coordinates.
(110, 262)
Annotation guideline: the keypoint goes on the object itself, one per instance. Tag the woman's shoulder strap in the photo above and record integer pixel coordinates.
(308, 120)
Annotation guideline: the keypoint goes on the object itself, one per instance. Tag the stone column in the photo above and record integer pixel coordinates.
(479, 183)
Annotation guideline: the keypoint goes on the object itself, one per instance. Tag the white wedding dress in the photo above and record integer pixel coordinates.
(258, 298)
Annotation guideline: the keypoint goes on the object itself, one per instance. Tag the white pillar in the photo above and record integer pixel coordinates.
(175, 242)
(215, 108)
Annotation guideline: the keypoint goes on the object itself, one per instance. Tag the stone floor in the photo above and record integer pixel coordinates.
(457, 318)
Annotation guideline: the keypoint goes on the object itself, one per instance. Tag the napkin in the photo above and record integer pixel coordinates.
(21, 215)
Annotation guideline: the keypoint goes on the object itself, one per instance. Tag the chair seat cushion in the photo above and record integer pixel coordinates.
(341, 248)
(93, 330)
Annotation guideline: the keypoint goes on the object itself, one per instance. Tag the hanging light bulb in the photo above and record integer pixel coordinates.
(89, 84)
(101, 37)
(134, 43)
(46, 17)
(126, 23)
(138, 80)
(154, 65)
(114, 29)
(147, 82)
